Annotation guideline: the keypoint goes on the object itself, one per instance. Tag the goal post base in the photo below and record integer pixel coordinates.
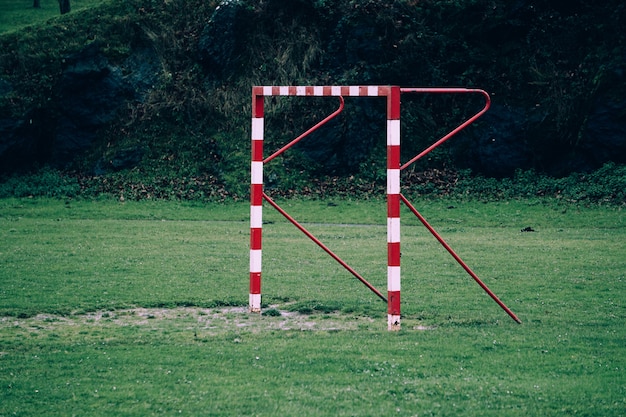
(393, 322)
(254, 305)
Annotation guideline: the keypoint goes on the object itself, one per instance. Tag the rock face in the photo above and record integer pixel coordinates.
(90, 92)
(496, 146)
(89, 95)
(505, 140)
(605, 133)
(25, 142)
(218, 40)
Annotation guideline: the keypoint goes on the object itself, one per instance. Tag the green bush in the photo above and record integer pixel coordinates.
(45, 183)
(606, 185)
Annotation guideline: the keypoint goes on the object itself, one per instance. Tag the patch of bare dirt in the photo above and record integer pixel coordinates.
(207, 320)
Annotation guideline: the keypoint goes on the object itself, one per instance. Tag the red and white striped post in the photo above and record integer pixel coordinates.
(392, 93)
(256, 201)
(393, 208)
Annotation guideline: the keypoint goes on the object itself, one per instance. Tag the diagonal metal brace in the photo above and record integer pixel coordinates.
(308, 132)
(459, 127)
(458, 259)
(324, 247)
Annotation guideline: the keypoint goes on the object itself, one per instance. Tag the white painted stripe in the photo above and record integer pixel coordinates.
(393, 132)
(393, 229)
(255, 302)
(256, 170)
(258, 125)
(256, 217)
(393, 278)
(318, 90)
(393, 322)
(393, 181)
(255, 260)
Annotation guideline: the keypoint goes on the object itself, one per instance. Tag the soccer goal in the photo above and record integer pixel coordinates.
(394, 196)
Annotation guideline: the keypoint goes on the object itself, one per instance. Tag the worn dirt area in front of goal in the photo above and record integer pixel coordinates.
(203, 321)
(200, 323)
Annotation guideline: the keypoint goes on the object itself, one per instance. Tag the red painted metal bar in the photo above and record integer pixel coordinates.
(458, 128)
(458, 259)
(394, 275)
(324, 247)
(308, 132)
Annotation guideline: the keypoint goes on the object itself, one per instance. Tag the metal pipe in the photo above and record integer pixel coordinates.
(458, 128)
(324, 247)
(459, 260)
(308, 132)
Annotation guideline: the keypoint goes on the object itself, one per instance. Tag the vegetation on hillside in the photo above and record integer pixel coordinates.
(555, 56)
(606, 186)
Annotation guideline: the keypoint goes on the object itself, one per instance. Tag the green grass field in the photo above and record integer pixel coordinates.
(16, 14)
(139, 308)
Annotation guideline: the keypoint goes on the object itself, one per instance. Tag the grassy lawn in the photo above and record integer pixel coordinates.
(127, 309)
(15, 14)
